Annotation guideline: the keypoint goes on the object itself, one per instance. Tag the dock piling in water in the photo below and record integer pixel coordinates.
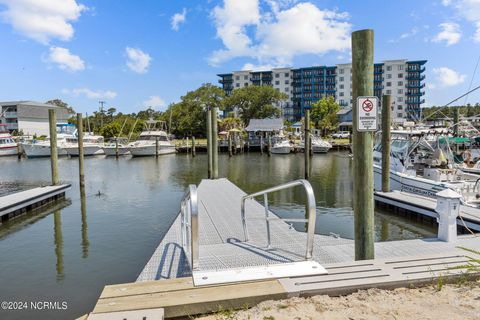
(363, 202)
(386, 119)
(209, 143)
(214, 142)
(193, 146)
(52, 119)
(306, 141)
(80, 153)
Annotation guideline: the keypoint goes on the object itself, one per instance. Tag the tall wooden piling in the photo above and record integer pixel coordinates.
(116, 148)
(306, 145)
(193, 146)
(363, 203)
(261, 145)
(156, 147)
(52, 119)
(209, 143)
(215, 142)
(80, 152)
(269, 145)
(230, 151)
(386, 121)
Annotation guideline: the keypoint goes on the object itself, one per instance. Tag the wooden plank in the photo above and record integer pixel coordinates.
(147, 314)
(196, 300)
(146, 287)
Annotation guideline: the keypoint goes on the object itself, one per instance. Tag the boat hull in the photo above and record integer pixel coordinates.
(41, 150)
(320, 149)
(87, 150)
(8, 151)
(281, 150)
(144, 151)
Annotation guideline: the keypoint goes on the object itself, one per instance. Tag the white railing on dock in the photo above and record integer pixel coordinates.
(310, 208)
(189, 225)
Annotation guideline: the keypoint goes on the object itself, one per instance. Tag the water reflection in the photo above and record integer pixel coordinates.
(58, 240)
(83, 209)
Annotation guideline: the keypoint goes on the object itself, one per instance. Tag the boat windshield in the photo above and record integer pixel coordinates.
(150, 138)
(6, 140)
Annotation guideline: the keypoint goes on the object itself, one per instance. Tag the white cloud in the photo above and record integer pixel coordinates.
(42, 20)
(410, 33)
(138, 61)
(178, 19)
(450, 33)
(154, 102)
(469, 10)
(65, 60)
(447, 77)
(274, 37)
(90, 94)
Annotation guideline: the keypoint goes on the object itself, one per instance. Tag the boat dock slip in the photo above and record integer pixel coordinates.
(168, 288)
(21, 202)
(426, 206)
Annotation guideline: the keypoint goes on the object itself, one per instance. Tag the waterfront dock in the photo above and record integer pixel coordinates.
(167, 286)
(19, 203)
(425, 207)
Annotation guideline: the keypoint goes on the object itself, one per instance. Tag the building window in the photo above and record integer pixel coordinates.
(400, 91)
(277, 82)
(341, 86)
(341, 78)
(389, 76)
(389, 91)
(389, 68)
(400, 83)
(287, 74)
(399, 107)
(277, 75)
(237, 85)
(400, 75)
(340, 71)
(389, 84)
(287, 82)
(237, 77)
(245, 77)
(400, 99)
(400, 67)
(286, 89)
(341, 94)
(399, 115)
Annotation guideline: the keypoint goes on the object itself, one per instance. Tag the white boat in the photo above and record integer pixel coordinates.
(417, 167)
(111, 148)
(41, 148)
(8, 146)
(320, 146)
(92, 145)
(282, 147)
(152, 141)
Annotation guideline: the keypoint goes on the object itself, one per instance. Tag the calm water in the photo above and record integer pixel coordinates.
(69, 254)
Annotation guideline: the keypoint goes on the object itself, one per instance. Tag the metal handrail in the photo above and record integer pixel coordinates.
(189, 222)
(310, 208)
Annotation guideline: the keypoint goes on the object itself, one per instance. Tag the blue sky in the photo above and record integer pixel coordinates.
(137, 53)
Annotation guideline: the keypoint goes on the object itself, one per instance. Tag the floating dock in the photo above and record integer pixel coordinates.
(417, 204)
(167, 287)
(19, 203)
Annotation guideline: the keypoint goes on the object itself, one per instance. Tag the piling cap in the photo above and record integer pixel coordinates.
(449, 194)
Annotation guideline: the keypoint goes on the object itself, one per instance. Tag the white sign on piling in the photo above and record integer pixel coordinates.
(367, 114)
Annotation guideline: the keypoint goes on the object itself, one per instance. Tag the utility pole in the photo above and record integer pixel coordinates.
(363, 203)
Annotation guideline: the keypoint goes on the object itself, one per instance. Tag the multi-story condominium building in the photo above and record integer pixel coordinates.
(402, 79)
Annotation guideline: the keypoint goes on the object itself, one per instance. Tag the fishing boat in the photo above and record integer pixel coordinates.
(419, 166)
(8, 146)
(116, 146)
(282, 147)
(152, 141)
(320, 146)
(41, 148)
(92, 145)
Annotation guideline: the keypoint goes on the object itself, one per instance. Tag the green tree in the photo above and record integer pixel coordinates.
(255, 102)
(111, 111)
(324, 114)
(62, 104)
(229, 123)
(110, 130)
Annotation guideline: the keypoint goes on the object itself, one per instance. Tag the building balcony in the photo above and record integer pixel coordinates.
(10, 114)
(416, 69)
(419, 93)
(377, 87)
(415, 85)
(415, 77)
(378, 79)
(416, 101)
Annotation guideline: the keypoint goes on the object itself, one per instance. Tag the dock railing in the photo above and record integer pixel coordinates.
(310, 208)
(189, 225)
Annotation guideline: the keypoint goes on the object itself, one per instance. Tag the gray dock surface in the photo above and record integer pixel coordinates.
(17, 203)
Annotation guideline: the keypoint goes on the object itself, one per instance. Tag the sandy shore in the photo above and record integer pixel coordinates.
(451, 302)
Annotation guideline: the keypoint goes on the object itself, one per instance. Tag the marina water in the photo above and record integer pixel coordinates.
(69, 254)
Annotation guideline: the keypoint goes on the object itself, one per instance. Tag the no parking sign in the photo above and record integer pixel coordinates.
(367, 115)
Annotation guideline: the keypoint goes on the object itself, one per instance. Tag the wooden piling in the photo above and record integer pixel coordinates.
(80, 152)
(306, 145)
(261, 145)
(230, 151)
(156, 147)
(215, 142)
(269, 145)
(209, 143)
(363, 203)
(193, 146)
(386, 121)
(116, 148)
(52, 119)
